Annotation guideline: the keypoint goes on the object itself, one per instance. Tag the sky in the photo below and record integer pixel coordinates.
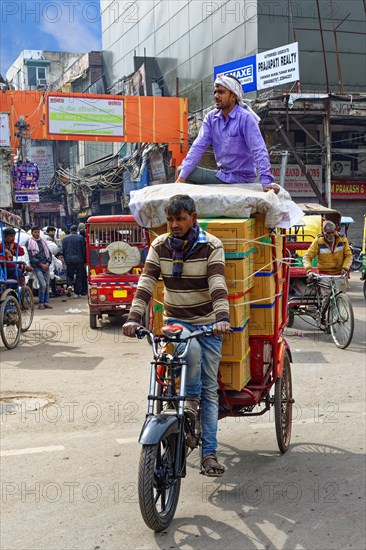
(54, 25)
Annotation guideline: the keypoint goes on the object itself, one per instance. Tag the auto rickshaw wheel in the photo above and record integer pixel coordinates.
(93, 320)
(364, 289)
(283, 402)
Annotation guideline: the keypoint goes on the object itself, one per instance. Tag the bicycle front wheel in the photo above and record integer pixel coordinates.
(26, 307)
(158, 489)
(341, 320)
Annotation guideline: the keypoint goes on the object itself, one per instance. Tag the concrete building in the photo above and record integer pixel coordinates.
(36, 69)
(188, 38)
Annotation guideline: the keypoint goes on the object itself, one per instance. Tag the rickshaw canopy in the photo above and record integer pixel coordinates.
(10, 219)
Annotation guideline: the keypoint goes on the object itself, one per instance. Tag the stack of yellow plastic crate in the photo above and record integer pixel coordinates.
(250, 278)
(237, 236)
(263, 293)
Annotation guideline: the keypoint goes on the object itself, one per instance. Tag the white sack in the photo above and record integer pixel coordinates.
(216, 201)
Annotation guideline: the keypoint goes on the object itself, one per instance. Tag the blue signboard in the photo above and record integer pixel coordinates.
(243, 69)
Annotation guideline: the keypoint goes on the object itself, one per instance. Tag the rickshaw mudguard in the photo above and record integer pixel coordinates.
(157, 427)
(283, 347)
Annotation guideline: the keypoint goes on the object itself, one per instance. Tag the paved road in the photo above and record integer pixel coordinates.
(69, 469)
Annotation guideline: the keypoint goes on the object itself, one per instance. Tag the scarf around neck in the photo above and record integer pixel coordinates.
(180, 247)
(34, 249)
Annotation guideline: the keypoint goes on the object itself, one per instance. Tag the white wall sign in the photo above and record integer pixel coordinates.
(107, 196)
(6, 189)
(278, 66)
(83, 116)
(43, 157)
(295, 182)
(4, 130)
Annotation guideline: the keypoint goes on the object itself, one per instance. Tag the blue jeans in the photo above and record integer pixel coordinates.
(44, 283)
(203, 176)
(203, 360)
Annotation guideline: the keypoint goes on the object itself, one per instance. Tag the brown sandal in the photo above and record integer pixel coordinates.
(211, 467)
(191, 406)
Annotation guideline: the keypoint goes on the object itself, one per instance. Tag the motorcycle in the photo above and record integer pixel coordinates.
(357, 257)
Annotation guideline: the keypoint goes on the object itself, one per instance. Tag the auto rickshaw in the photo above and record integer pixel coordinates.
(116, 248)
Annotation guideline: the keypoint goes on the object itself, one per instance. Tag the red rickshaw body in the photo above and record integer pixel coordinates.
(116, 251)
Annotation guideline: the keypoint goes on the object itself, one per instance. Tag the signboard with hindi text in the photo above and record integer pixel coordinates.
(78, 115)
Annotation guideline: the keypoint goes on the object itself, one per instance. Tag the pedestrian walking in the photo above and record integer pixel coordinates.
(40, 259)
(74, 253)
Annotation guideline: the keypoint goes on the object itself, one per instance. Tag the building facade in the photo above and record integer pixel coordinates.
(188, 38)
(37, 69)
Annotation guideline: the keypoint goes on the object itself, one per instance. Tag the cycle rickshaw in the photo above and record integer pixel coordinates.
(16, 298)
(335, 314)
(169, 434)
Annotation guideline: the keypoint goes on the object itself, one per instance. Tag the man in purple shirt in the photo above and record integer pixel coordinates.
(232, 130)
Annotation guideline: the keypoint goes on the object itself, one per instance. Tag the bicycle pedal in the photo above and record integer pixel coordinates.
(192, 441)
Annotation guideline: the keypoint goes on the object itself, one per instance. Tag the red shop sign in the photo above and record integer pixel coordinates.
(348, 189)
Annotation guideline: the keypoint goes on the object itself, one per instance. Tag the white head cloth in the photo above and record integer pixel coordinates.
(235, 87)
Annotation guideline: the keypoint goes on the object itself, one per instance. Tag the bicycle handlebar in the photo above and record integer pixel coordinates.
(319, 276)
(141, 332)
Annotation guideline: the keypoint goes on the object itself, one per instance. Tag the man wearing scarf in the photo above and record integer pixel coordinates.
(40, 259)
(232, 130)
(191, 263)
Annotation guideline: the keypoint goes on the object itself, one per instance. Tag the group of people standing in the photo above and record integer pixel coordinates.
(41, 254)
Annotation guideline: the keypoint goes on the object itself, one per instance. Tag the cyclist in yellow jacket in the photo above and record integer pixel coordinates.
(333, 253)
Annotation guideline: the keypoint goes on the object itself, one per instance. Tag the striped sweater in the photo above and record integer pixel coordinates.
(199, 297)
(331, 259)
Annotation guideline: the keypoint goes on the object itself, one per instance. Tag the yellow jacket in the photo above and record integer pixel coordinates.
(332, 258)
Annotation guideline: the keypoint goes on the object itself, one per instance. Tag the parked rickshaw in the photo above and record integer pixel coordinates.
(16, 298)
(116, 248)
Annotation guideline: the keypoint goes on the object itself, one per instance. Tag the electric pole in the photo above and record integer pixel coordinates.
(23, 127)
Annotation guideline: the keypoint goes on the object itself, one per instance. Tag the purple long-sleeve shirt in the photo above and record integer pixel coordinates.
(238, 147)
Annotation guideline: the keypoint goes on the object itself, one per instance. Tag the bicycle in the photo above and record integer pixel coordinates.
(169, 433)
(332, 314)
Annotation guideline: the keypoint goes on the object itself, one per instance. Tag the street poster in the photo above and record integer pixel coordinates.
(25, 175)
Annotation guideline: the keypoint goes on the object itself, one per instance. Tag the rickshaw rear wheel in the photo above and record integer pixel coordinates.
(93, 320)
(10, 322)
(26, 307)
(364, 289)
(283, 405)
